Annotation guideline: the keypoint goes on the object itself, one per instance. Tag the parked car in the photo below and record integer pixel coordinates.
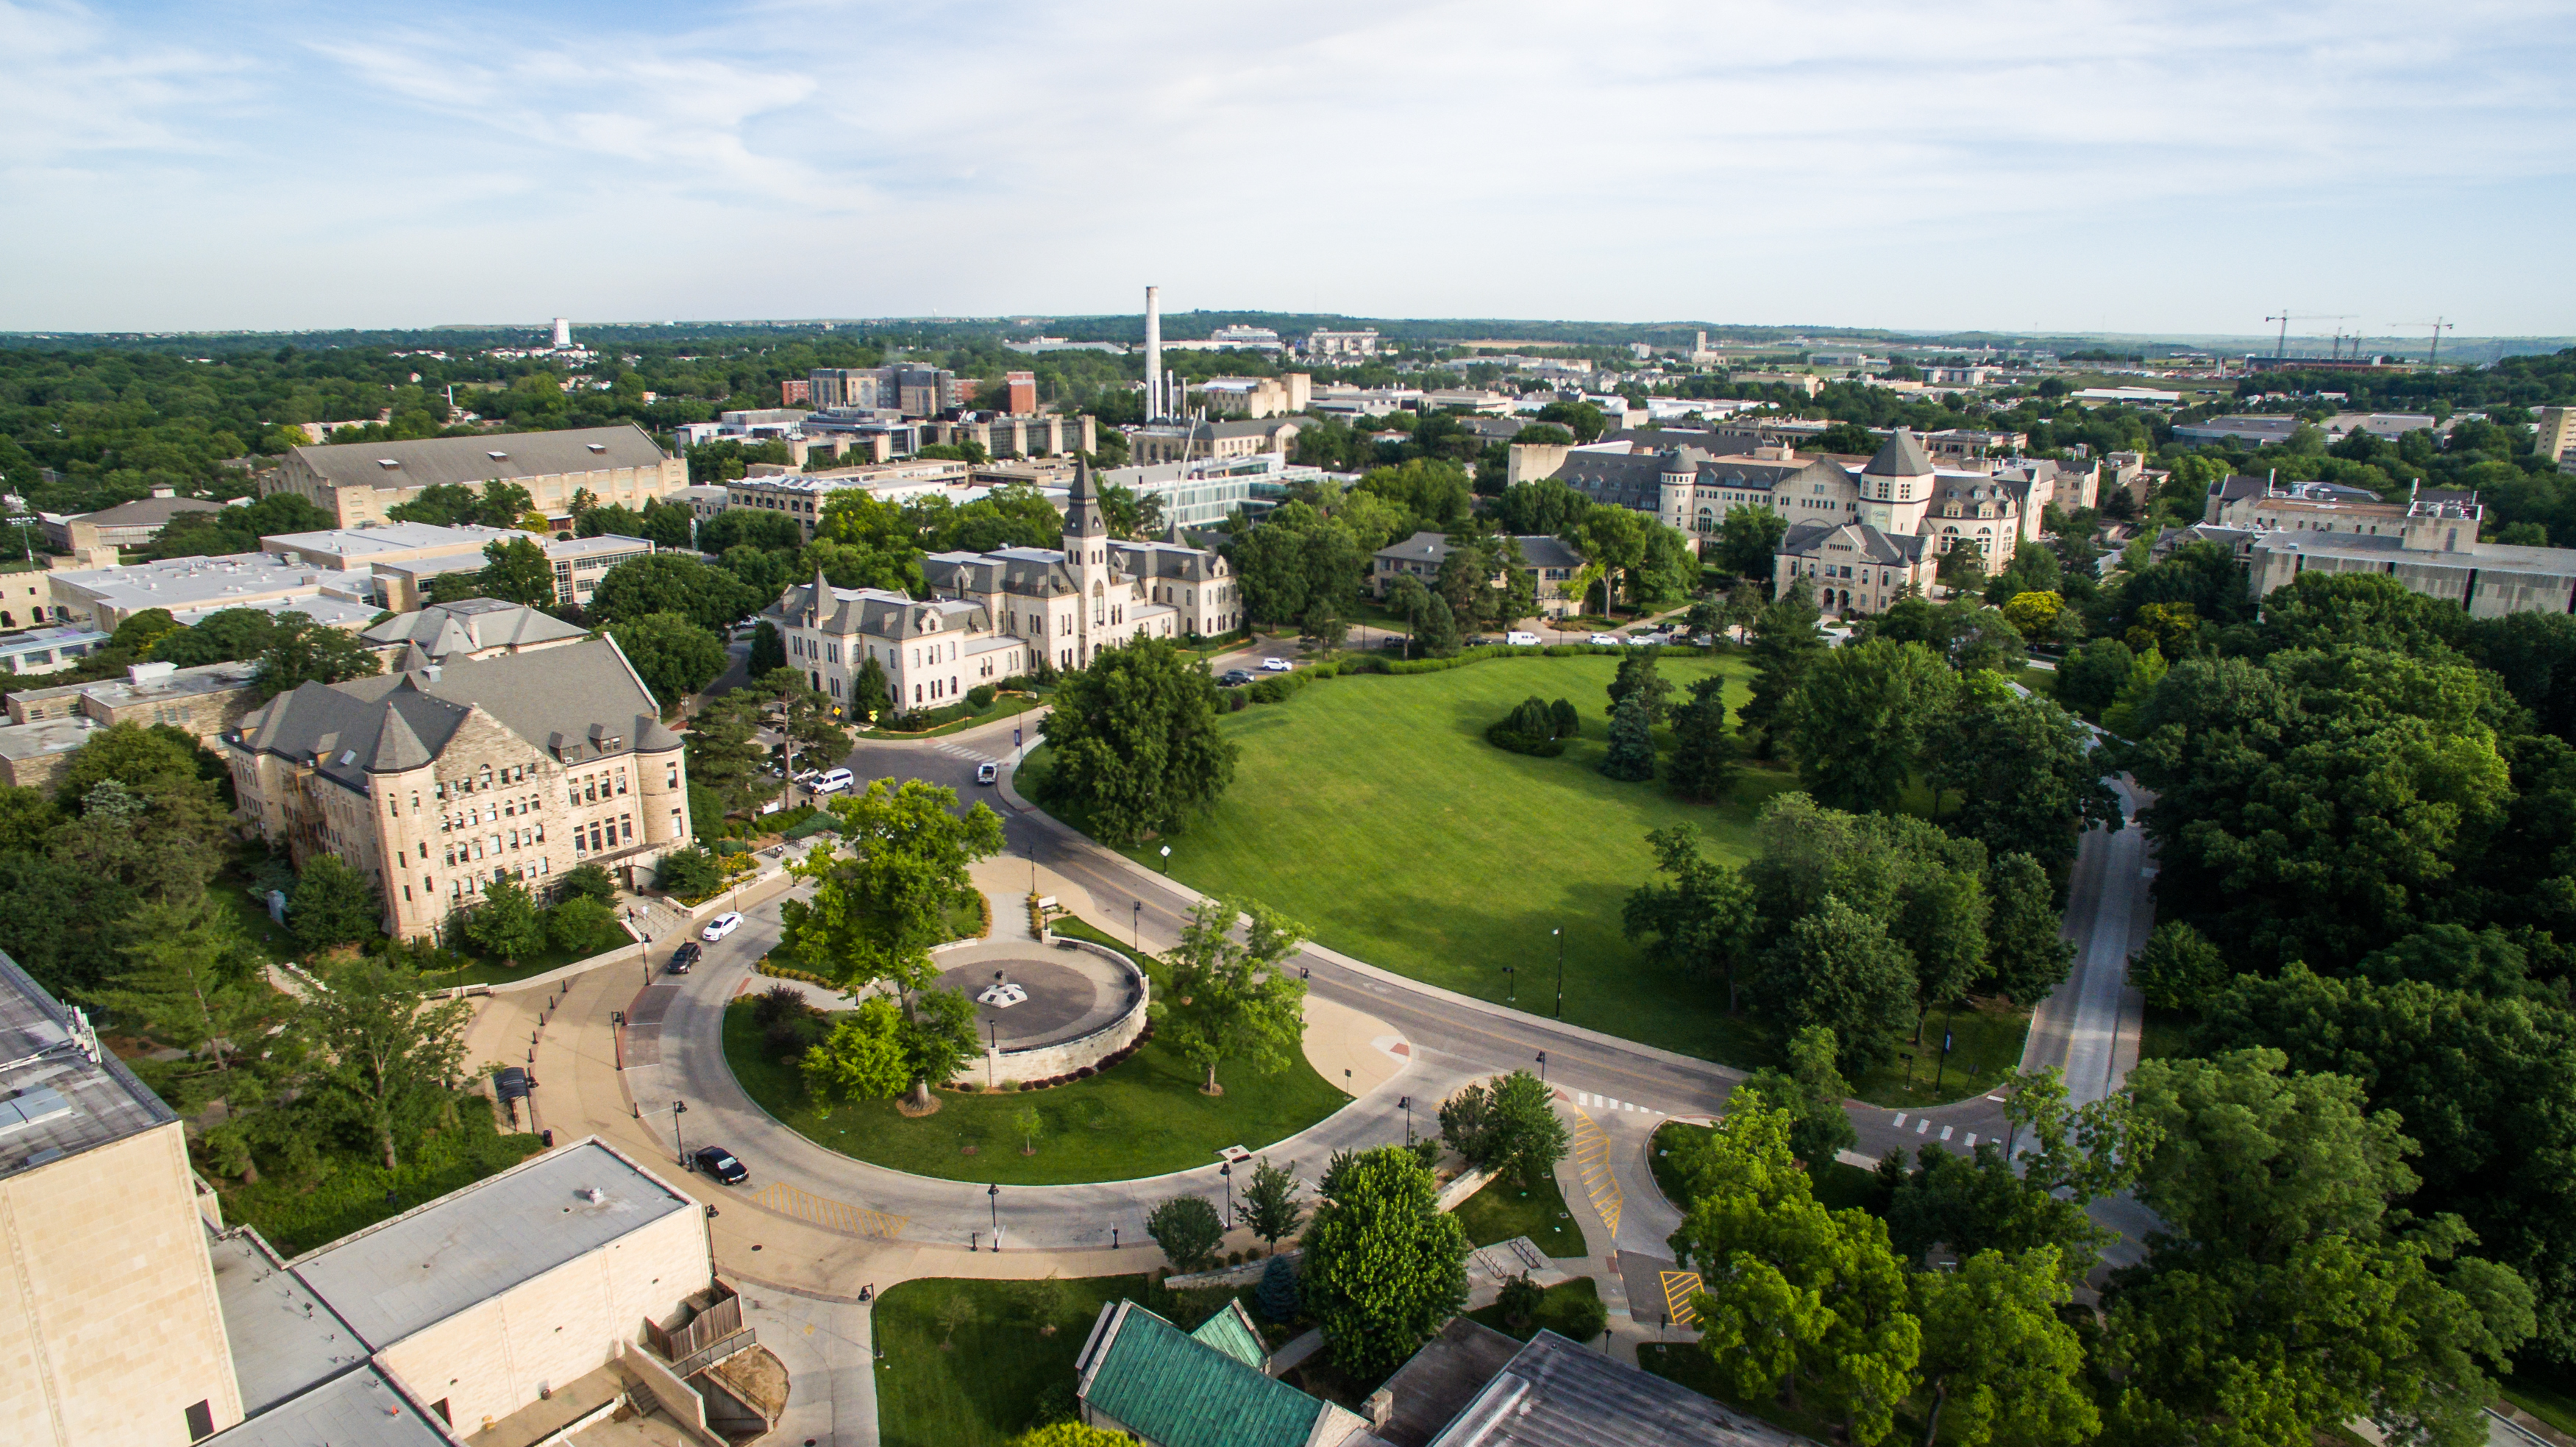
(718, 1162)
(833, 781)
(1605, 640)
(722, 925)
(1276, 665)
(1236, 677)
(1521, 640)
(988, 772)
(1646, 640)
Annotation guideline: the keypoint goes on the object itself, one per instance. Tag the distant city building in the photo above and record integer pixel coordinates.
(2485, 580)
(794, 390)
(1184, 441)
(1035, 346)
(2386, 426)
(1206, 491)
(126, 525)
(1048, 435)
(1845, 359)
(908, 390)
(356, 482)
(404, 557)
(563, 333)
(1321, 343)
(2256, 431)
(469, 631)
(2129, 396)
(802, 495)
(1256, 396)
(1341, 401)
(2554, 436)
(192, 587)
(1020, 393)
(42, 650)
(1250, 339)
(438, 780)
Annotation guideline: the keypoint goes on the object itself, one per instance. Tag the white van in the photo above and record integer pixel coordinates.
(1521, 640)
(833, 781)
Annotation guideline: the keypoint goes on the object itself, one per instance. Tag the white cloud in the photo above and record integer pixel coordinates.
(2141, 167)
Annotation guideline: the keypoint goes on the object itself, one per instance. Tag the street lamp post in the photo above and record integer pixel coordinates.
(993, 1195)
(1559, 932)
(991, 1060)
(1226, 1172)
(1407, 1103)
(1542, 1067)
(679, 1108)
(1511, 993)
(1136, 919)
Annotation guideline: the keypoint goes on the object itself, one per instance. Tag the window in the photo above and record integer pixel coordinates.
(201, 1421)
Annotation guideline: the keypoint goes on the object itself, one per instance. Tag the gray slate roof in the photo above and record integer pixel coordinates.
(360, 1409)
(568, 702)
(65, 1103)
(1807, 540)
(1557, 1394)
(472, 626)
(432, 461)
(146, 512)
(1901, 456)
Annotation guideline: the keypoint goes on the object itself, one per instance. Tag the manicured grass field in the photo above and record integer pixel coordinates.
(1504, 1208)
(983, 1386)
(1145, 1117)
(1371, 809)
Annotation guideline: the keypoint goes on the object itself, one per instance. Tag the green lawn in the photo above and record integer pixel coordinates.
(984, 1386)
(1145, 1117)
(1562, 1309)
(1004, 706)
(1986, 1038)
(1427, 851)
(1504, 1208)
(480, 969)
(2550, 1398)
(1836, 1186)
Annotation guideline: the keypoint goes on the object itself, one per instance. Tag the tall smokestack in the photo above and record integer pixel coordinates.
(1153, 354)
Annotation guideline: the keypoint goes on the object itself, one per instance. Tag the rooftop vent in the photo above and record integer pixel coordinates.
(598, 446)
(497, 456)
(32, 1108)
(593, 1194)
(388, 462)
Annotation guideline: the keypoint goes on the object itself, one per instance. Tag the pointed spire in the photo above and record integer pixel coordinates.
(398, 747)
(1902, 456)
(1082, 518)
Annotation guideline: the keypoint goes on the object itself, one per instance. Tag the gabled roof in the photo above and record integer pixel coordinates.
(569, 701)
(1231, 1331)
(1178, 1391)
(471, 626)
(1902, 456)
(1807, 540)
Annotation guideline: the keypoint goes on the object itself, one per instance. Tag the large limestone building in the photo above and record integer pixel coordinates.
(995, 615)
(438, 778)
(355, 482)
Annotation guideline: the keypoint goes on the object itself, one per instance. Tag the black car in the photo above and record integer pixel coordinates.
(718, 1162)
(1236, 677)
(685, 956)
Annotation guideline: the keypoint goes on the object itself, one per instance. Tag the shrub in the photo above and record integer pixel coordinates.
(980, 697)
(1274, 689)
(1009, 1085)
(727, 848)
(967, 1087)
(1082, 1073)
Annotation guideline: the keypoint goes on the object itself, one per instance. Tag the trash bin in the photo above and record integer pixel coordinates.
(548, 1137)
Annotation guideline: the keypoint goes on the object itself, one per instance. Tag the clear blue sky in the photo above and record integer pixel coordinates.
(2063, 166)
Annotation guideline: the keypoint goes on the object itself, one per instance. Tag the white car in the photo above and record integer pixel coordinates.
(722, 925)
(1521, 640)
(1647, 640)
(1276, 665)
(988, 772)
(1605, 640)
(833, 781)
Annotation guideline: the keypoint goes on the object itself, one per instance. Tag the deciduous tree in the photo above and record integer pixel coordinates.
(1384, 1267)
(674, 656)
(1135, 742)
(1188, 1231)
(1230, 1000)
(394, 1057)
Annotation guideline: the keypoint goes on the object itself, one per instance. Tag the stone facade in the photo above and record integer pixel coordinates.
(440, 780)
(110, 1328)
(1064, 1057)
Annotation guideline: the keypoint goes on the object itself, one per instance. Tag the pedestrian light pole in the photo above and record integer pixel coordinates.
(1407, 1104)
(679, 1108)
(1542, 1067)
(1226, 1173)
(993, 1196)
(1559, 932)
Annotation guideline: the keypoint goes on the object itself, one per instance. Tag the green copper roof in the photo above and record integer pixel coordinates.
(1178, 1391)
(1231, 1331)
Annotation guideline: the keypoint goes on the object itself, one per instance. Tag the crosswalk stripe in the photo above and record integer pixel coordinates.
(1945, 1132)
(1592, 1151)
(1900, 1120)
(804, 1205)
(1972, 1140)
(1923, 1125)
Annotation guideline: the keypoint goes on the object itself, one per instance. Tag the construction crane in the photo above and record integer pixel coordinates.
(2439, 326)
(2285, 318)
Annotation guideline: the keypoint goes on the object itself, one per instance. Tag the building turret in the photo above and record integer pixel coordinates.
(1896, 486)
(1676, 482)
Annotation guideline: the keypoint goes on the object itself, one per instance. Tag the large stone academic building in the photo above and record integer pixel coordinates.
(444, 775)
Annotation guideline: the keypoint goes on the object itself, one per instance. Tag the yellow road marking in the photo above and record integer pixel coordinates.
(1592, 1162)
(1679, 1288)
(804, 1205)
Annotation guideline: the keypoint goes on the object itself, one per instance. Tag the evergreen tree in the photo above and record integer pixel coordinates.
(1277, 1297)
(769, 651)
(1568, 723)
(869, 695)
(1632, 743)
(1638, 675)
(1437, 633)
(1785, 641)
(333, 905)
(1704, 764)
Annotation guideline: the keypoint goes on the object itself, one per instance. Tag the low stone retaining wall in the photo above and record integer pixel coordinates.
(1067, 1056)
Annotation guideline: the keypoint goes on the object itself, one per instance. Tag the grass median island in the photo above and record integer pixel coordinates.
(1143, 1117)
(1504, 1208)
(1371, 809)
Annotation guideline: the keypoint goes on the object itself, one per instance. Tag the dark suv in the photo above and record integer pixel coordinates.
(1236, 677)
(685, 956)
(718, 1162)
